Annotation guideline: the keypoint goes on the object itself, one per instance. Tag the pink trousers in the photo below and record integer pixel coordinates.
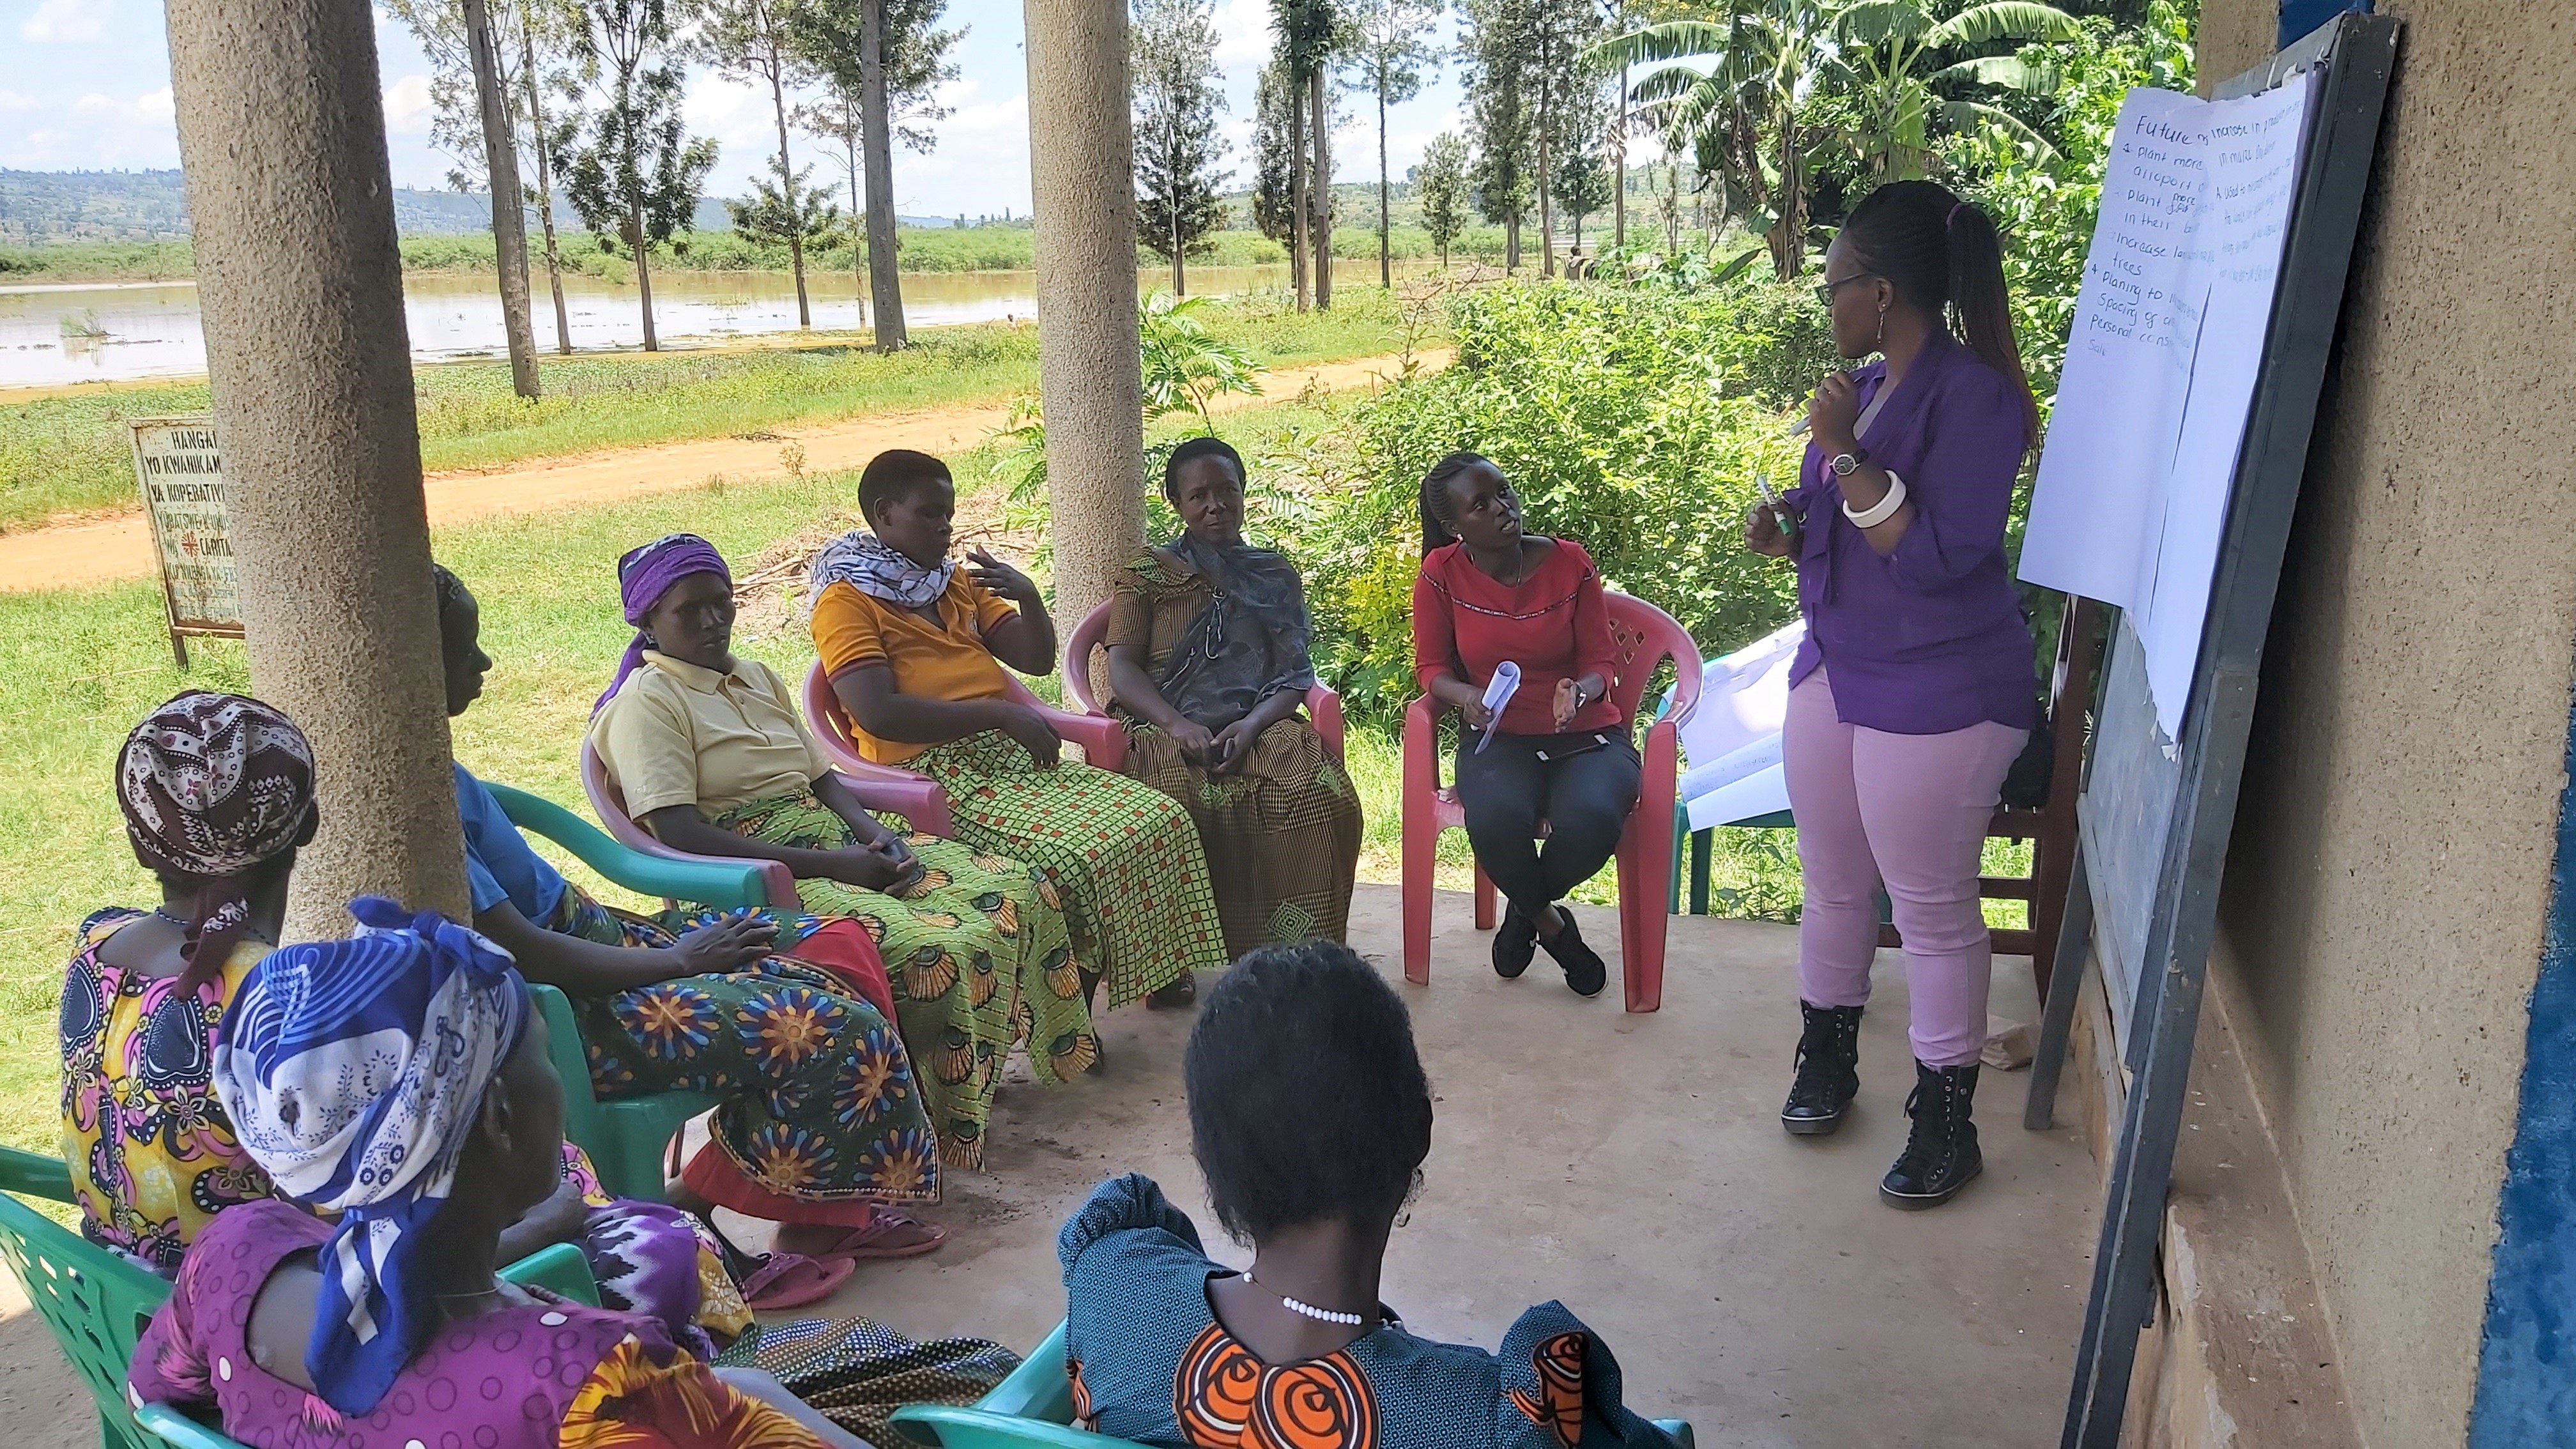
(1908, 812)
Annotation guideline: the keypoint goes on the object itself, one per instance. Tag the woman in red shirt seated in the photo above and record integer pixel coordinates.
(1558, 749)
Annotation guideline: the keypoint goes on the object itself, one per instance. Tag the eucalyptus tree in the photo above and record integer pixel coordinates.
(1392, 49)
(634, 173)
(1173, 77)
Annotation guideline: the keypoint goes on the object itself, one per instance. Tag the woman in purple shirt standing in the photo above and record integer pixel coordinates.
(1915, 689)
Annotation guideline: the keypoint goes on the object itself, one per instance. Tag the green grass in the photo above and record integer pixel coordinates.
(67, 454)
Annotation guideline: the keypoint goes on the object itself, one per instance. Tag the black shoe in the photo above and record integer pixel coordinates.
(1515, 942)
(1183, 990)
(1941, 1153)
(1828, 1070)
(1583, 969)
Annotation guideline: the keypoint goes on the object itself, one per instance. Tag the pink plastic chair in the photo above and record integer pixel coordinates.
(609, 804)
(1646, 636)
(1323, 706)
(924, 803)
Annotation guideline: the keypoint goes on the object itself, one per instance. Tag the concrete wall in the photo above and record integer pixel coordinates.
(2385, 898)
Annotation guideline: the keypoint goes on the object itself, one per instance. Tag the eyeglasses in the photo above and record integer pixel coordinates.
(1825, 293)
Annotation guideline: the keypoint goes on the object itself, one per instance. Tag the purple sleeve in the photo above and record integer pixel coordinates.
(170, 1364)
(1962, 489)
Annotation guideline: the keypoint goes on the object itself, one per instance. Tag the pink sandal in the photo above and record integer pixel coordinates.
(861, 1245)
(793, 1280)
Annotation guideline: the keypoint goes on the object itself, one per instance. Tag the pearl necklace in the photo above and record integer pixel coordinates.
(1308, 1310)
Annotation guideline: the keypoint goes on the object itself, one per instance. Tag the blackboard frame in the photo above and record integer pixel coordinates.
(2354, 55)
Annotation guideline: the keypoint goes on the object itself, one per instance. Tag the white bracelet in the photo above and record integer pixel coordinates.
(1882, 510)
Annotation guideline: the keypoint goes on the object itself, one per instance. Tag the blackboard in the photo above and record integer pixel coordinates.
(2155, 813)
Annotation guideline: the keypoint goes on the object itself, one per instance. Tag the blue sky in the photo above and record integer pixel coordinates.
(85, 84)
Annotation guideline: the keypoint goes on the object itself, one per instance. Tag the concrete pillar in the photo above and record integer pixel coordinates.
(282, 137)
(1081, 167)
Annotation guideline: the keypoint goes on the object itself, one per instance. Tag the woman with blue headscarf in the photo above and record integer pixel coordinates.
(398, 1079)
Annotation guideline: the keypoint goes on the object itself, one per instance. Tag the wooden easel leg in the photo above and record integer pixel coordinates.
(2057, 1019)
(179, 647)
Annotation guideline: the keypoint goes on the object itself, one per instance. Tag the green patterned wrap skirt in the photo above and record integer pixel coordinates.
(978, 955)
(1124, 857)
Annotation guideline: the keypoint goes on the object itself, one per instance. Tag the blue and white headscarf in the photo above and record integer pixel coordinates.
(353, 1071)
(872, 566)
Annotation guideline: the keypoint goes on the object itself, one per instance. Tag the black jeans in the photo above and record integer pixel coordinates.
(1585, 800)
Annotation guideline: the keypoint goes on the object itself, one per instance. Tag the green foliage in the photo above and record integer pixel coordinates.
(1184, 363)
(1442, 182)
(1172, 70)
(2046, 212)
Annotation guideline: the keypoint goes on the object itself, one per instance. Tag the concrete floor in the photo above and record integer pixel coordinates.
(1632, 1166)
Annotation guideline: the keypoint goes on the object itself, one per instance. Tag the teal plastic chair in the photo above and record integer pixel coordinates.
(626, 1137)
(98, 1303)
(1034, 1406)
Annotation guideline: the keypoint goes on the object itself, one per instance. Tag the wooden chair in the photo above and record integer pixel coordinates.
(2049, 820)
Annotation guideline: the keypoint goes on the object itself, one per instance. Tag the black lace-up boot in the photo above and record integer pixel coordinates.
(1828, 1070)
(1941, 1152)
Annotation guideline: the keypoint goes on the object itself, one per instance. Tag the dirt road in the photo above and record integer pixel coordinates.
(77, 554)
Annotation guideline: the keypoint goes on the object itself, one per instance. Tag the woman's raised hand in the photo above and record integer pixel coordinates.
(723, 946)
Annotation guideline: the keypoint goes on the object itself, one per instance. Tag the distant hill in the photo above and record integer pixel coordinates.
(61, 206)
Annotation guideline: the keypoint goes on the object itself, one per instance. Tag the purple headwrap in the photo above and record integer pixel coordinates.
(644, 575)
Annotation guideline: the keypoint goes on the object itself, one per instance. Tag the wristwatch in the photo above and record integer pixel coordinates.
(1846, 464)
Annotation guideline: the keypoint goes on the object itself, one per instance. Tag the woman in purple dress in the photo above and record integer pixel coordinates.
(1915, 688)
(398, 1081)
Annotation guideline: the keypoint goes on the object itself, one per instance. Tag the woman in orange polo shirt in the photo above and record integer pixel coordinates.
(915, 644)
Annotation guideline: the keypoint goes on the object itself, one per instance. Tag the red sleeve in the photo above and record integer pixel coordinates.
(1435, 640)
(1594, 650)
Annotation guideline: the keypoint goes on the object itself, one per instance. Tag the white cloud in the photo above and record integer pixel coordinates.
(408, 107)
(64, 21)
(12, 101)
(156, 106)
(1243, 32)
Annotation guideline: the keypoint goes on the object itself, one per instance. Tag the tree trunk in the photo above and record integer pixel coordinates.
(787, 188)
(1385, 208)
(1090, 387)
(509, 223)
(545, 188)
(876, 134)
(282, 144)
(1323, 188)
(1619, 189)
(858, 238)
(643, 272)
(1172, 181)
(1297, 189)
(1546, 189)
(1512, 243)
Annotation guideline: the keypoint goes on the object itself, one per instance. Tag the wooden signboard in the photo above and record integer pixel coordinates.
(181, 472)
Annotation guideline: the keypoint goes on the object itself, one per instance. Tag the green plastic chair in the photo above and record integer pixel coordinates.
(626, 1137)
(1034, 1406)
(98, 1303)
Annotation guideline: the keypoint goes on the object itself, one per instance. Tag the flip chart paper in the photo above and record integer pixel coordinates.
(2160, 370)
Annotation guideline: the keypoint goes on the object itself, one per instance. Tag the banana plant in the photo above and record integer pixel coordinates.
(1730, 90)
(1884, 54)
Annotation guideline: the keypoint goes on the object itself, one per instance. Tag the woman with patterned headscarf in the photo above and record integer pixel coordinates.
(710, 753)
(217, 792)
(398, 1082)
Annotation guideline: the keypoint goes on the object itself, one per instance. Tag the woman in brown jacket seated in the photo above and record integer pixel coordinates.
(1208, 657)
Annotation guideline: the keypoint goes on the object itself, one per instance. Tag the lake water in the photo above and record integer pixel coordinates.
(152, 329)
